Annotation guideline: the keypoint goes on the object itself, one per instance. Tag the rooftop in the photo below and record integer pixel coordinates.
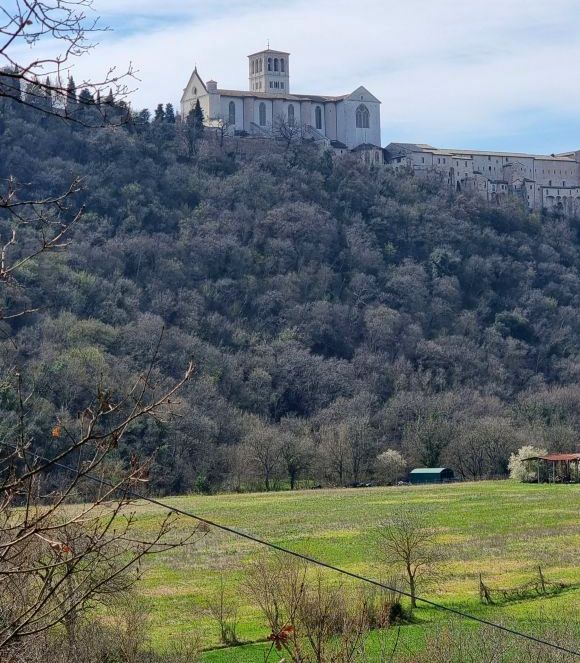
(460, 152)
(288, 97)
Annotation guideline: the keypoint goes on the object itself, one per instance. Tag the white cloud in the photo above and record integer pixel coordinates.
(442, 68)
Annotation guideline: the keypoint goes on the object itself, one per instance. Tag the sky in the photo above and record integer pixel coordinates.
(499, 74)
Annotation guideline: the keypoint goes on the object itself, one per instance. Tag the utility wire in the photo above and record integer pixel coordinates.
(306, 558)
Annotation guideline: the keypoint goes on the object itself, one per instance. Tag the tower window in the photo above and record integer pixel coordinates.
(282, 65)
(275, 64)
(269, 64)
(260, 65)
(252, 67)
(262, 114)
(362, 117)
(291, 117)
(318, 117)
(232, 113)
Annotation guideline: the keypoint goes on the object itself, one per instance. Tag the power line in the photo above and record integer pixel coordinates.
(306, 558)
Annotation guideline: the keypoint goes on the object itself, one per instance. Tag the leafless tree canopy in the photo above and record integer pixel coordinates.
(67, 29)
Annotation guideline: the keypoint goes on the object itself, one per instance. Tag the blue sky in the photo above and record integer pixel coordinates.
(496, 74)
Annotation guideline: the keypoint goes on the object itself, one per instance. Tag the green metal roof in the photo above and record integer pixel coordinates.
(429, 470)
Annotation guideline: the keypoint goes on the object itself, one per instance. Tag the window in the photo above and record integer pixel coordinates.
(262, 114)
(362, 117)
(282, 85)
(269, 64)
(252, 67)
(282, 65)
(271, 84)
(275, 64)
(232, 113)
(291, 118)
(318, 117)
(260, 65)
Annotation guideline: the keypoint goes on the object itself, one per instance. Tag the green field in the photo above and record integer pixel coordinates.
(503, 530)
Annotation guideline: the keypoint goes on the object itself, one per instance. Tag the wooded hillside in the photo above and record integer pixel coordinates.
(333, 311)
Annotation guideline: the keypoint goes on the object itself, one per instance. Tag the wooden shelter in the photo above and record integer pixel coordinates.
(559, 468)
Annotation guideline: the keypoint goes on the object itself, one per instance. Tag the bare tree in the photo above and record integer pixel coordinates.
(56, 32)
(262, 448)
(57, 558)
(223, 609)
(334, 451)
(296, 448)
(406, 541)
(223, 128)
(307, 616)
(288, 131)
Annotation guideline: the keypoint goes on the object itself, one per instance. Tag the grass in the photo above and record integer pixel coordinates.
(502, 530)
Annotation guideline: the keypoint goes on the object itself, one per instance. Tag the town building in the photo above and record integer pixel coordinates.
(549, 182)
(269, 108)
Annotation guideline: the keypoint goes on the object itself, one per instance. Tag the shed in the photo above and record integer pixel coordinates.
(431, 475)
(558, 468)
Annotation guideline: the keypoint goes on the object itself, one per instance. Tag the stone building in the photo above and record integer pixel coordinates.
(269, 107)
(543, 181)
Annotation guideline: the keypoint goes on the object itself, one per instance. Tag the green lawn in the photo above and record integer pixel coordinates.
(503, 530)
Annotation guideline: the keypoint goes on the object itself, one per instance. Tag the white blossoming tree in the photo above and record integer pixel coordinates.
(522, 469)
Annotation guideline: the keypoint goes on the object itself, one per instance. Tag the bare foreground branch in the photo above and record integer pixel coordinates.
(41, 82)
(57, 558)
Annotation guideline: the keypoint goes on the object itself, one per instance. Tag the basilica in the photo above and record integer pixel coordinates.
(342, 122)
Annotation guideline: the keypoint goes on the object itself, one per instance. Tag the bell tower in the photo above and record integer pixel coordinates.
(269, 72)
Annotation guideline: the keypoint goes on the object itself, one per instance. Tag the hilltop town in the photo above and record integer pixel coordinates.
(352, 123)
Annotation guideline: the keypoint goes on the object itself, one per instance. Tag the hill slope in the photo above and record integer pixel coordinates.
(333, 311)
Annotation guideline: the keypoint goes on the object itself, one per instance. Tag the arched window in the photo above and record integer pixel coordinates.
(262, 114)
(282, 65)
(269, 64)
(291, 117)
(362, 117)
(275, 64)
(232, 113)
(318, 117)
(252, 67)
(260, 65)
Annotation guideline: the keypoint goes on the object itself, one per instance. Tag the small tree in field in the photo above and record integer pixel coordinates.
(406, 542)
(522, 469)
(391, 465)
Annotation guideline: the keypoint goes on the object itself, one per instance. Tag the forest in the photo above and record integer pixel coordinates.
(333, 310)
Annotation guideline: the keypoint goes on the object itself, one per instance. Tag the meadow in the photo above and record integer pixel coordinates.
(502, 530)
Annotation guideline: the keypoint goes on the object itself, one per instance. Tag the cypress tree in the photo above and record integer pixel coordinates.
(169, 114)
(71, 95)
(198, 118)
(159, 114)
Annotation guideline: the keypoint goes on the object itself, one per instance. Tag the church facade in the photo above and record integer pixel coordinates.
(269, 107)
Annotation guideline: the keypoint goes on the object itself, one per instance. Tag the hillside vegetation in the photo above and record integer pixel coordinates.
(333, 311)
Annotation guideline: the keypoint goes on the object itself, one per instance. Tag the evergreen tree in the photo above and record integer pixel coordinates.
(86, 98)
(47, 95)
(169, 114)
(194, 128)
(71, 95)
(159, 114)
(198, 118)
